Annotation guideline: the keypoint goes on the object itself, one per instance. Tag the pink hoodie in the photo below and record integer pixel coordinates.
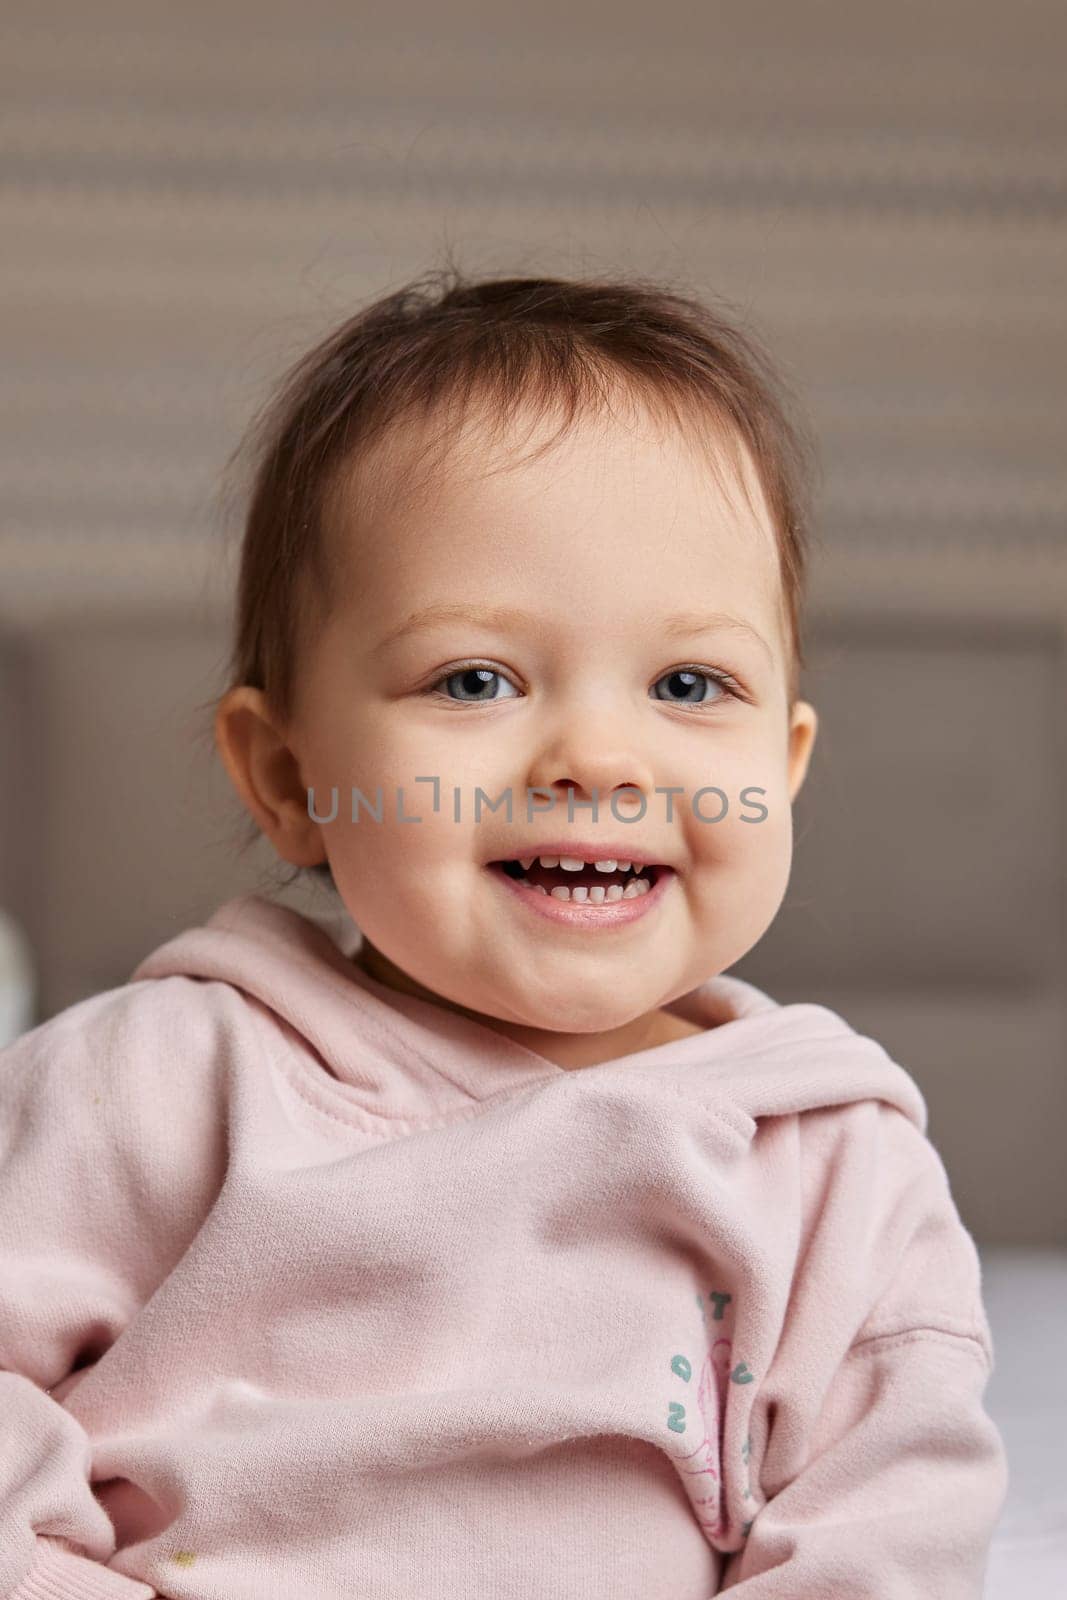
(309, 1289)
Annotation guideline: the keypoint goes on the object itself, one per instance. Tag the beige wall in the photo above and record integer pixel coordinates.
(189, 204)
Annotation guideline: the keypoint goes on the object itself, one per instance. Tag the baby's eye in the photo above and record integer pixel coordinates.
(476, 684)
(685, 680)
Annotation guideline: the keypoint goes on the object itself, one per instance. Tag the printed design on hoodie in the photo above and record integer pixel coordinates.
(701, 1417)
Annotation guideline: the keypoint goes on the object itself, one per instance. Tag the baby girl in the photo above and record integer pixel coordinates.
(482, 1236)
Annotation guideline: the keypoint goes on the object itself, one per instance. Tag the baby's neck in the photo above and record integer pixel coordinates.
(571, 1051)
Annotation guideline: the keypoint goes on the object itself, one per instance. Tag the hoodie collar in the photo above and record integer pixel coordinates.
(401, 1051)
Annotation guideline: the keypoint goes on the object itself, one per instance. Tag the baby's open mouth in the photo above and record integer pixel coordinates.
(566, 878)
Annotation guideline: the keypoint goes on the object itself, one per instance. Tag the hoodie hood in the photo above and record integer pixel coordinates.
(767, 1059)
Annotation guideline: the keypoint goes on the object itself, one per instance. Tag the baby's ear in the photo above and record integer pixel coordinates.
(803, 726)
(265, 773)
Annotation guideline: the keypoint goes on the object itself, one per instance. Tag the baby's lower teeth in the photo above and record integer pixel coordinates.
(597, 895)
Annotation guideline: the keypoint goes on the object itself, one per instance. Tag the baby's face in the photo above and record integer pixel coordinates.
(602, 543)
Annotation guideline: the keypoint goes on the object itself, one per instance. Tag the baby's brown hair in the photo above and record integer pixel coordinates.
(443, 342)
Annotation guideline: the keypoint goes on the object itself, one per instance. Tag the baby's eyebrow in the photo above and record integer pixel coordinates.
(437, 615)
(686, 622)
(442, 612)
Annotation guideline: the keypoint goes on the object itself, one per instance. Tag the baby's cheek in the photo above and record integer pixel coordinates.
(736, 882)
(762, 863)
(747, 824)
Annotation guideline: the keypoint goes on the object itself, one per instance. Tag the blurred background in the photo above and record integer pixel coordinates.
(191, 196)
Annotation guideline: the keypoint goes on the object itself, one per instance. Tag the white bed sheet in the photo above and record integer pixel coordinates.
(1025, 1293)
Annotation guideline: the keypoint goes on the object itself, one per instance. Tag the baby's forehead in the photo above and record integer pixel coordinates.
(397, 514)
(402, 558)
(417, 463)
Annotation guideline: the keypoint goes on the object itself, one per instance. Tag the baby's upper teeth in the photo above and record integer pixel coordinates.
(573, 863)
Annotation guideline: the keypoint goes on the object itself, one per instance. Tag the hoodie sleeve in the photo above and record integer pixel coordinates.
(887, 1476)
(108, 1164)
